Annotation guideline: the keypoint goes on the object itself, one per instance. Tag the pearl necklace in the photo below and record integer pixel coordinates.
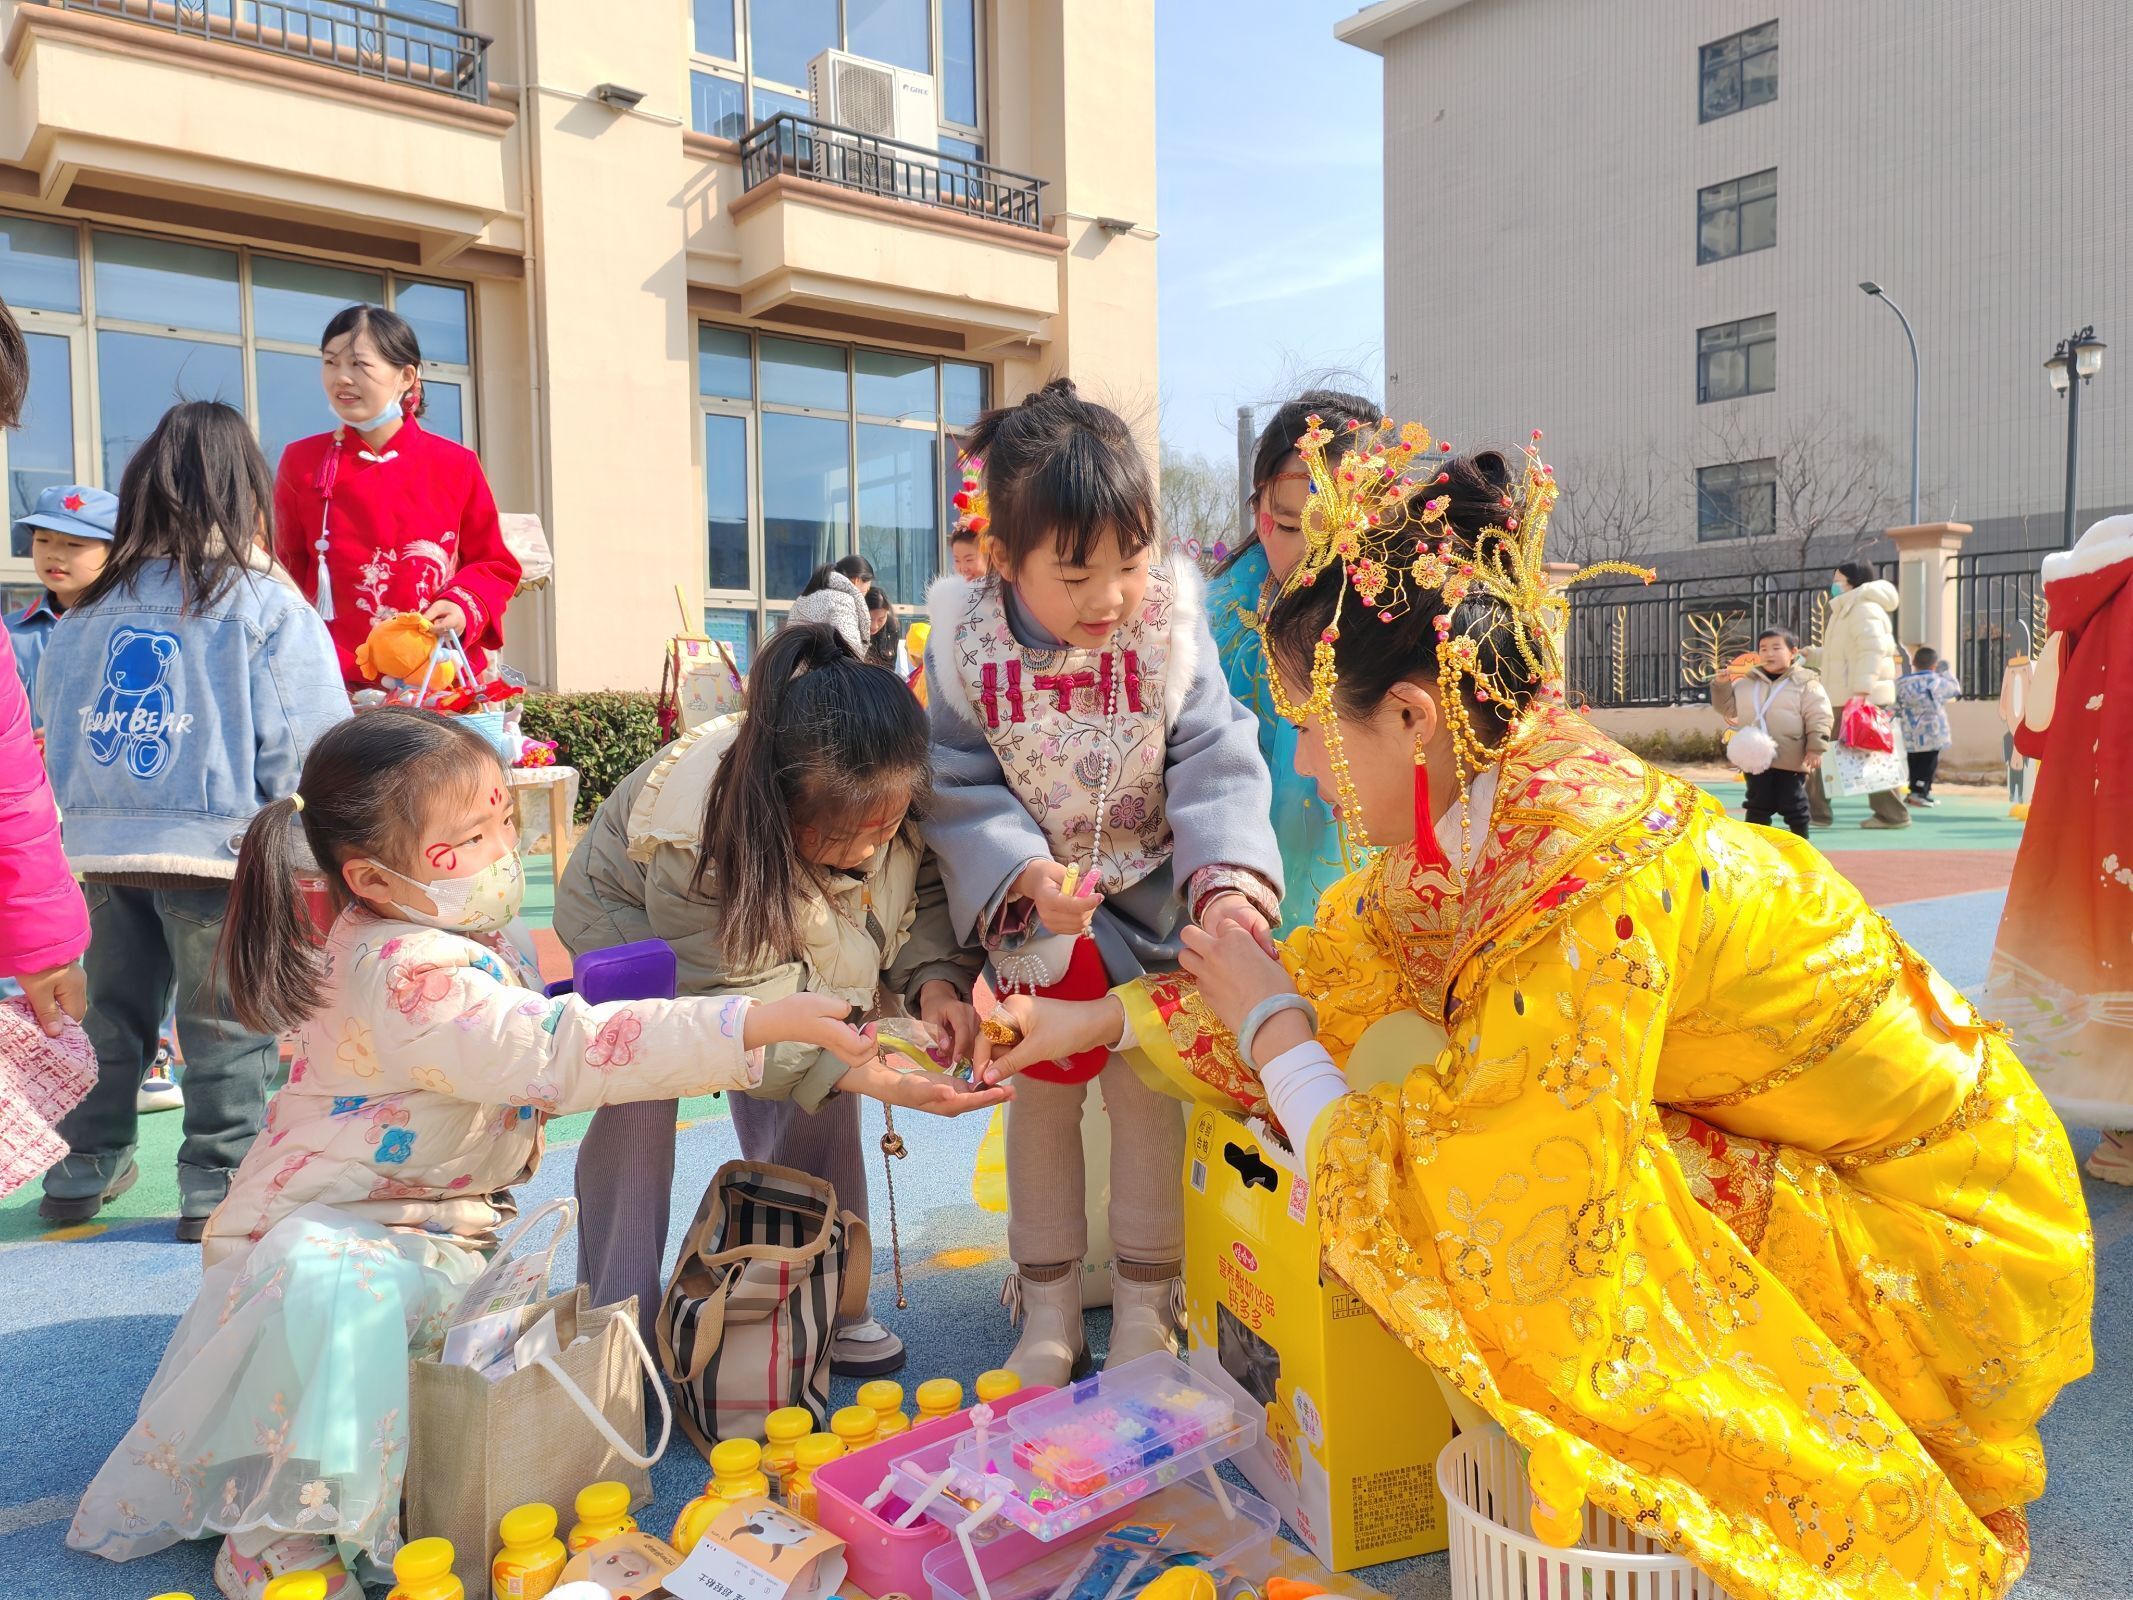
(1028, 971)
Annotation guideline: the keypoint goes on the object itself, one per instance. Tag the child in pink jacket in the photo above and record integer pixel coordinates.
(44, 924)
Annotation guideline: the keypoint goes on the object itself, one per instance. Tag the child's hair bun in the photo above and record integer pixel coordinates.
(1061, 388)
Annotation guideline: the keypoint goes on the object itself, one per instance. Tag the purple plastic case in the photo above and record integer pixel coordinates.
(641, 971)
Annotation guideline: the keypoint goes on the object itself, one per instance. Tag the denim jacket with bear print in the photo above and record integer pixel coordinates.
(166, 730)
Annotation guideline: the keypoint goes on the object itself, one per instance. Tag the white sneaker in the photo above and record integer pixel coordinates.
(2112, 1159)
(1053, 1349)
(865, 1350)
(159, 1092)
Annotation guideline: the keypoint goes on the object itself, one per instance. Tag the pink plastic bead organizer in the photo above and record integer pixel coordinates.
(884, 1558)
(1060, 1462)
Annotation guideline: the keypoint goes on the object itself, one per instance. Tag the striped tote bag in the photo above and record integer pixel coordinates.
(769, 1266)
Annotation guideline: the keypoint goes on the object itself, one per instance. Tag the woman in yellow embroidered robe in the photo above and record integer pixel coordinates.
(1716, 1183)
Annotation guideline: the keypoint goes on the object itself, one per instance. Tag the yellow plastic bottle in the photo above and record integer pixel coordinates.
(857, 1426)
(735, 1475)
(816, 1450)
(783, 1430)
(997, 1384)
(423, 1571)
(531, 1561)
(603, 1511)
(937, 1398)
(291, 1586)
(887, 1401)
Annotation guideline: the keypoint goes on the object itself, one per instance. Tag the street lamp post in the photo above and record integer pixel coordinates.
(2071, 367)
(1874, 289)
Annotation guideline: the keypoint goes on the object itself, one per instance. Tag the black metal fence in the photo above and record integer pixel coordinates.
(1659, 644)
(870, 164)
(1999, 612)
(367, 40)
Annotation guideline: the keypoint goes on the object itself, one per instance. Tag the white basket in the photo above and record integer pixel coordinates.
(1496, 1557)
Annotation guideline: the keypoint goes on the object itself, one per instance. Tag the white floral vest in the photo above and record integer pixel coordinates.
(1043, 713)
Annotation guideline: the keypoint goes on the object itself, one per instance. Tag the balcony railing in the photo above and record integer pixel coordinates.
(870, 164)
(370, 41)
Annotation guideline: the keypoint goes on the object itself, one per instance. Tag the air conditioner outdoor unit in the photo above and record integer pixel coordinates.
(872, 97)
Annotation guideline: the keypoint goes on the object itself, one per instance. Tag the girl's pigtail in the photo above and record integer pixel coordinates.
(268, 960)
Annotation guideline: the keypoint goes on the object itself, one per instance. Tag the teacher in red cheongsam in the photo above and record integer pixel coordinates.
(377, 516)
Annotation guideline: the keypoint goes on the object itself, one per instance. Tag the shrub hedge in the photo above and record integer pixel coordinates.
(605, 734)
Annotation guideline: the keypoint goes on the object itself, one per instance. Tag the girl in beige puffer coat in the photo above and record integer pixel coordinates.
(1860, 659)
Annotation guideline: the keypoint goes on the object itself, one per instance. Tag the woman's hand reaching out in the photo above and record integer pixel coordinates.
(1235, 973)
(1051, 1030)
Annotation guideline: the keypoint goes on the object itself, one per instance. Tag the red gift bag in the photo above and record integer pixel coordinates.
(1866, 727)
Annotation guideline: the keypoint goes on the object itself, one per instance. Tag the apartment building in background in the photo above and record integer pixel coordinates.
(714, 321)
(1643, 229)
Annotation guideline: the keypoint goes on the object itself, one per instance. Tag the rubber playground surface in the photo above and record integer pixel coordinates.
(89, 1309)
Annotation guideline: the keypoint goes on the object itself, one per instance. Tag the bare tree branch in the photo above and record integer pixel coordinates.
(1833, 482)
(1619, 509)
(1200, 506)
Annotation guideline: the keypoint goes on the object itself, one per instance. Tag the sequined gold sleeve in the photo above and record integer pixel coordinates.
(1519, 1217)
(1185, 1051)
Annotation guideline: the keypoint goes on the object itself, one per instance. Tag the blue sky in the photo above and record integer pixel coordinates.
(1269, 162)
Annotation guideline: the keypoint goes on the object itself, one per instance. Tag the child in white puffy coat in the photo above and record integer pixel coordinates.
(427, 1062)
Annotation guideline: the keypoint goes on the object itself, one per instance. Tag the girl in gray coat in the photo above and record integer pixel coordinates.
(1096, 787)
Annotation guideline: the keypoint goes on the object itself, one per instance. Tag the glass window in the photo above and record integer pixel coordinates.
(784, 35)
(807, 497)
(899, 32)
(40, 264)
(292, 402)
(899, 500)
(1737, 500)
(444, 410)
(1735, 218)
(799, 373)
(292, 301)
(438, 314)
(1738, 72)
(959, 62)
(139, 376)
(726, 500)
(717, 106)
(1736, 358)
(888, 385)
(736, 630)
(961, 150)
(722, 363)
(40, 453)
(966, 392)
(713, 29)
(167, 284)
(769, 103)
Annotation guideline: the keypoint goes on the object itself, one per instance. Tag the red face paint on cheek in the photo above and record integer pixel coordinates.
(1266, 524)
(442, 857)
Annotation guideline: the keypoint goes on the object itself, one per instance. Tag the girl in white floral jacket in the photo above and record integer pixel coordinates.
(427, 1062)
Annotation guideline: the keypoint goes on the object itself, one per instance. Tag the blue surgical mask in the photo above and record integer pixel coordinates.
(1835, 589)
(391, 413)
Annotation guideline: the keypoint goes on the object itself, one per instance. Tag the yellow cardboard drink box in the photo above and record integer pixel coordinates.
(1354, 1420)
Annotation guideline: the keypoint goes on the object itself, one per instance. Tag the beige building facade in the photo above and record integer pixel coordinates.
(1643, 229)
(708, 338)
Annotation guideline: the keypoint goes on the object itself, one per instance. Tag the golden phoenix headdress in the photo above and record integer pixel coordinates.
(1373, 524)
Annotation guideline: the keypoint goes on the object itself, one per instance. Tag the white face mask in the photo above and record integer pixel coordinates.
(391, 413)
(482, 903)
